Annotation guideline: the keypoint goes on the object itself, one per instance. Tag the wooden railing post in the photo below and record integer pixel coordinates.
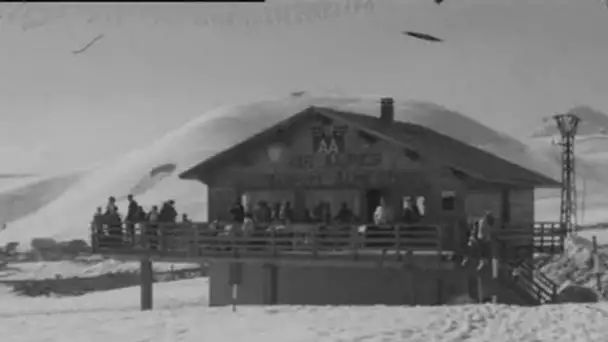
(315, 241)
(143, 240)
(196, 239)
(596, 265)
(160, 236)
(273, 242)
(398, 242)
(457, 244)
(354, 237)
(233, 241)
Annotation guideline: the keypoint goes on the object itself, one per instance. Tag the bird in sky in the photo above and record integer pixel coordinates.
(423, 36)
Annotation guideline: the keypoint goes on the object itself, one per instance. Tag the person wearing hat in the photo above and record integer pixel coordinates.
(132, 217)
(167, 218)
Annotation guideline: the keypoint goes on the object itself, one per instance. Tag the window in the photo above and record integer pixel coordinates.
(416, 202)
(448, 200)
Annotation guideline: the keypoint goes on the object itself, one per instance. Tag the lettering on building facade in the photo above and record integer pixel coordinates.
(329, 178)
(342, 160)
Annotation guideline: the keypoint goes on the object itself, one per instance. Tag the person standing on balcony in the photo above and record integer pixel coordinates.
(262, 212)
(237, 212)
(167, 217)
(151, 230)
(98, 223)
(382, 214)
(345, 214)
(286, 213)
(113, 220)
(131, 218)
(411, 214)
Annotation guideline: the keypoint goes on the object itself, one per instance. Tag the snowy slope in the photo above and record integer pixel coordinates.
(26, 196)
(152, 172)
(181, 315)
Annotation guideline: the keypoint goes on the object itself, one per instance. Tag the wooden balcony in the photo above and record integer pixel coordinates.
(339, 245)
(343, 245)
(396, 246)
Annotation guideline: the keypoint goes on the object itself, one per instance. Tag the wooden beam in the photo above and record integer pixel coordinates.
(147, 278)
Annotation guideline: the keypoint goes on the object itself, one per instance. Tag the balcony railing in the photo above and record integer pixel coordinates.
(196, 240)
(200, 240)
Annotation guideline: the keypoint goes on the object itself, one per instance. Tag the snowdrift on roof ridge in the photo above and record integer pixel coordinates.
(68, 216)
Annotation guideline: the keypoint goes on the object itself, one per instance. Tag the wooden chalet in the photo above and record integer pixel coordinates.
(324, 157)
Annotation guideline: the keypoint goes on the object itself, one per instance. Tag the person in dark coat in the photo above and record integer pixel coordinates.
(132, 217)
(168, 214)
(237, 212)
(113, 221)
(167, 217)
(410, 214)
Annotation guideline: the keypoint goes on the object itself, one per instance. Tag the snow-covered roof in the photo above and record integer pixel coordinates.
(452, 153)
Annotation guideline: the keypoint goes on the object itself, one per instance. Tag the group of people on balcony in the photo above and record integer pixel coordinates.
(109, 223)
(281, 214)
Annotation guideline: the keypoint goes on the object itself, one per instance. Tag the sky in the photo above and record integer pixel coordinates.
(157, 66)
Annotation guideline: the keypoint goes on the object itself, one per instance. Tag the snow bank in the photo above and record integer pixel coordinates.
(69, 215)
(181, 315)
(192, 292)
(68, 269)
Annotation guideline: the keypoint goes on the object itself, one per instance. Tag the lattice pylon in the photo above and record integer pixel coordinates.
(567, 125)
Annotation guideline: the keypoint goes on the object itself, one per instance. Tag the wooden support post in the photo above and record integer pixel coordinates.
(398, 242)
(413, 287)
(495, 268)
(236, 277)
(596, 265)
(354, 242)
(480, 292)
(439, 290)
(147, 278)
(196, 240)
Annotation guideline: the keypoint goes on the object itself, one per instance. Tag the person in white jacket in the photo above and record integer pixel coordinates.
(382, 214)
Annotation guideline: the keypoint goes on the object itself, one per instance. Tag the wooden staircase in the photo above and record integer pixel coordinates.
(518, 280)
(531, 285)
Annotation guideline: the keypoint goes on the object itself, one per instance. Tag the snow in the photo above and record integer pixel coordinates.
(181, 314)
(68, 215)
(166, 296)
(67, 269)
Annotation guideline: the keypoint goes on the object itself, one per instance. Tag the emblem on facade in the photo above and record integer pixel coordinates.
(328, 140)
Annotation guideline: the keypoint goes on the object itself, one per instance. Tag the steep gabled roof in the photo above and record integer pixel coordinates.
(421, 140)
(450, 152)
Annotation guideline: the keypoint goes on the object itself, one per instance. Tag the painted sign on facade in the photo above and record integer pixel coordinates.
(330, 150)
(331, 178)
(342, 160)
(329, 140)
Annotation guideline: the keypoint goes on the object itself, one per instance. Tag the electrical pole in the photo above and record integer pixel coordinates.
(567, 125)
